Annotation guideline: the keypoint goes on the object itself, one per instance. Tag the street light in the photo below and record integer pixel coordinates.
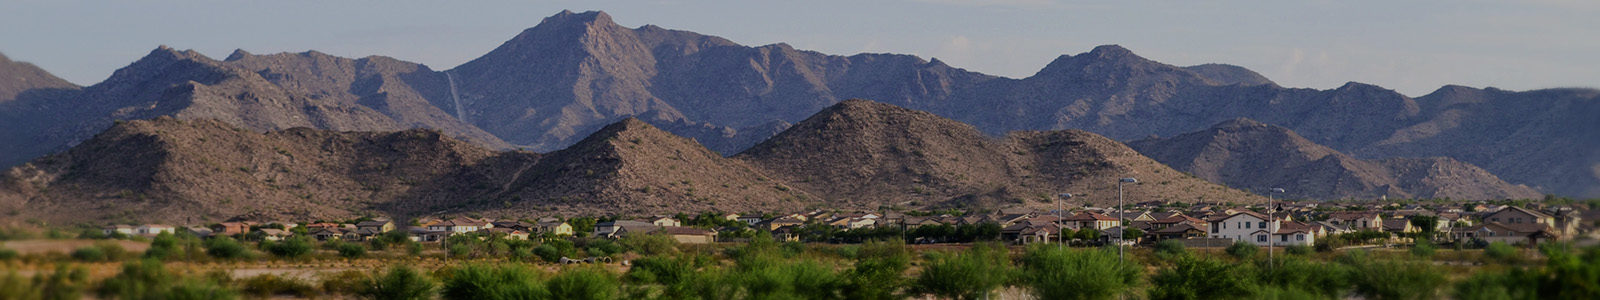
(1270, 261)
(1060, 214)
(1123, 231)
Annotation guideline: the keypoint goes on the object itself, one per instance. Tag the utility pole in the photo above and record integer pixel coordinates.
(1061, 211)
(1121, 212)
(1270, 261)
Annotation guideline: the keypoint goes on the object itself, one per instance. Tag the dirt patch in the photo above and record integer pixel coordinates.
(66, 246)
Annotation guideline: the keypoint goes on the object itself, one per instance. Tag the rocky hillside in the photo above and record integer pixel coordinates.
(260, 93)
(18, 77)
(1255, 156)
(179, 171)
(634, 168)
(867, 154)
(173, 170)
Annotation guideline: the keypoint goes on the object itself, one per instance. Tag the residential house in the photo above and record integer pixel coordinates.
(614, 229)
(1031, 231)
(1398, 226)
(460, 225)
(1296, 234)
(690, 235)
(230, 228)
(785, 221)
(751, 219)
(1245, 226)
(1357, 220)
(557, 228)
(516, 225)
(154, 229)
(666, 222)
(1517, 234)
(1179, 231)
(1093, 220)
(274, 234)
(505, 233)
(379, 225)
(327, 233)
(200, 232)
(119, 229)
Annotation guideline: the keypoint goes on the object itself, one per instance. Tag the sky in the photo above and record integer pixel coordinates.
(1413, 47)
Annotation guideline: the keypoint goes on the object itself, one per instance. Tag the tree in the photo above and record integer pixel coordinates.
(878, 271)
(1132, 234)
(1243, 250)
(293, 247)
(1055, 273)
(1194, 278)
(400, 282)
(969, 274)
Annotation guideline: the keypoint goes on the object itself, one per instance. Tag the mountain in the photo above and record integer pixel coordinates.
(635, 168)
(574, 72)
(18, 77)
(177, 171)
(1248, 154)
(870, 154)
(194, 171)
(261, 93)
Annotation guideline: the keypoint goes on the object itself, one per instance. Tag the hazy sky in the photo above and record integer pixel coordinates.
(1411, 46)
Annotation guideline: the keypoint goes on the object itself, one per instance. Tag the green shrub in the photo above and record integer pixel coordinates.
(1170, 249)
(65, 283)
(8, 254)
(651, 244)
(1290, 276)
(1243, 250)
(267, 285)
(399, 283)
(878, 272)
(1423, 248)
(198, 289)
(226, 248)
(1197, 278)
(89, 254)
(167, 246)
(347, 282)
(1054, 273)
(149, 279)
(970, 274)
(1501, 252)
(352, 250)
(583, 284)
(292, 247)
(1396, 279)
(1298, 250)
(477, 281)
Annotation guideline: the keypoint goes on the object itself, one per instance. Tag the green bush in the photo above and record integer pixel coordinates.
(1424, 248)
(970, 274)
(584, 284)
(651, 244)
(398, 283)
(1170, 249)
(65, 283)
(1289, 276)
(1243, 250)
(149, 279)
(292, 247)
(476, 281)
(169, 247)
(1054, 273)
(1501, 252)
(226, 248)
(1396, 279)
(89, 254)
(352, 250)
(267, 285)
(8, 254)
(1197, 278)
(1298, 250)
(878, 272)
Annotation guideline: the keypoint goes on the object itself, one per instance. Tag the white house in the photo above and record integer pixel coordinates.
(1244, 226)
(154, 229)
(123, 229)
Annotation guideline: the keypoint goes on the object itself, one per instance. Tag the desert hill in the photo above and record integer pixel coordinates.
(1247, 154)
(866, 153)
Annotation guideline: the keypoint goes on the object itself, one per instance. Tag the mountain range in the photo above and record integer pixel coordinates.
(855, 155)
(554, 84)
(1278, 157)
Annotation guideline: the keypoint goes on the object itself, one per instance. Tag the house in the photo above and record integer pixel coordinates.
(230, 228)
(422, 234)
(666, 222)
(1179, 231)
(154, 229)
(1175, 219)
(1093, 220)
(460, 225)
(1399, 226)
(1331, 228)
(1244, 226)
(379, 225)
(118, 229)
(1140, 216)
(751, 219)
(614, 229)
(557, 228)
(505, 233)
(785, 221)
(1031, 231)
(690, 235)
(1518, 215)
(516, 225)
(327, 233)
(1296, 234)
(1357, 220)
(731, 217)
(1517, 234)
(848, 223)
(274, 234)
(200, 232)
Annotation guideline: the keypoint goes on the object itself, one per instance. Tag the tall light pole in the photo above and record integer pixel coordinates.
(1270, 222)
(1122, 227)
(1060, 215)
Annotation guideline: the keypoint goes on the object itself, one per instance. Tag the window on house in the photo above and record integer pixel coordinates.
(1261, 238)
(1300, 237)
(1283, 238)
(1246, 225)
(1263, 224)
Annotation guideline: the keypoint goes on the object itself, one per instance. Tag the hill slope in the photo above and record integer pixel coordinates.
(18, 77)
(1248, 154)
(869, 154)
(171, 170)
